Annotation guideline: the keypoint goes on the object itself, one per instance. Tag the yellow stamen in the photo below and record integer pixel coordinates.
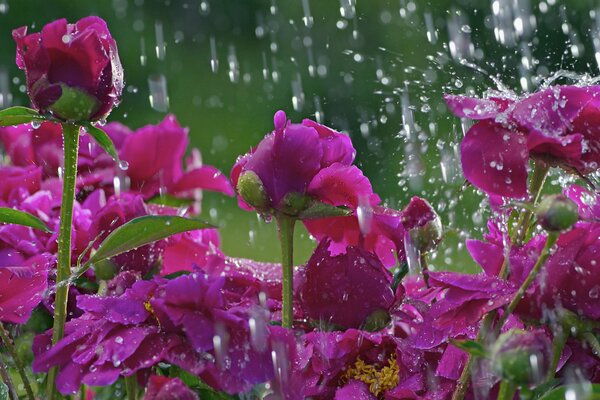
(379, 380)
(150, 310)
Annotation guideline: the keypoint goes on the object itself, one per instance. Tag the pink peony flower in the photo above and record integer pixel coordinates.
(558, 125)
(73, 70)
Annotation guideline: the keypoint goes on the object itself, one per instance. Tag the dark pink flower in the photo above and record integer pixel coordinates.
(558, 125)
(18, 183)
(377, 229)
(22, 286)
(330, 364)
(155, 155)
(164, 388)
(297, 163)
(345, 290)
(587, 202)
(73, 70)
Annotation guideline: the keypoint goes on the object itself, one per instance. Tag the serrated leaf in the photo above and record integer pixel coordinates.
(580, 392)
(144, 230)
(12, 216)
(103, 140)
(471, 346)
(323, 210)
(19, 115)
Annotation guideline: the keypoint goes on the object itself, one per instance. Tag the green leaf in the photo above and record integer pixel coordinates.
(12, 216)
(143, 230)
(103, 140)
(3, 391)
(471, 346)
(580, 391)
(171, 201)
(323, 210)
(19, 115)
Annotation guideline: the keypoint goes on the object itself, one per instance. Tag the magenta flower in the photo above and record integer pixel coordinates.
(570, 278)
(367, 365)
(558, 125)
(22, 286)
(73, 70)
(299, 163)
(155, 154)
(345, 290)
(587, 202)
(378, 230)
(18, 183)
(163, 388)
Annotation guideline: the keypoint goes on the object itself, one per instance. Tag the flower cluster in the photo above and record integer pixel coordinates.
(181, 318)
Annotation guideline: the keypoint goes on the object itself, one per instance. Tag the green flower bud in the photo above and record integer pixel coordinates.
(557, 213)
(426, 237)
(253, 192)
(74, 105)
(521, 357)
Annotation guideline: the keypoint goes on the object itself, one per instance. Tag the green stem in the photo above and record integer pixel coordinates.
(558, 344)
(131, 387)
(8, 343)
(550, 241)
(71, 147)
(465, 376)
(507, 390)
(591, 339)
(285, 225)
(540, 171)
(424, 269)
(535, 188)
(4, 374)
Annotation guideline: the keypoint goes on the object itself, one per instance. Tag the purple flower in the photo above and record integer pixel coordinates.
(18, 183)
(73, 70)
(345, 290)
(163, 388)
(299, 163)
(558, 125)
(155, 155)
(331, 364)
(461, 301)
(587, 202)
(22, 286)
(377, 229)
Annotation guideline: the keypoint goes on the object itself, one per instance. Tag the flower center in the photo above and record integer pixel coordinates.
(150, 310)
(378, 379)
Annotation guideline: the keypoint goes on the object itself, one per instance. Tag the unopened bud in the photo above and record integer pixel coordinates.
(253, 192)
(557, 213)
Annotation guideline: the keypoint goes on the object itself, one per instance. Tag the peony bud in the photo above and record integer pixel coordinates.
(522, 357)
(72, 70)
(253, 192)
(557, 213)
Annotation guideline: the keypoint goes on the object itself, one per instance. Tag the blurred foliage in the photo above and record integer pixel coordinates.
(375, 75)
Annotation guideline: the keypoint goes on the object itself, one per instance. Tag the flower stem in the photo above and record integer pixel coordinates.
(550, 241)
(285, 225)
(540, 171)
(507, 390)
(12, 393)
(71, 147)
(592, 341)
(7, 340)
(558, 344)
(424, 269)
(131, 387)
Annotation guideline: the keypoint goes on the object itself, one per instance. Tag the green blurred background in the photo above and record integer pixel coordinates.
(375, 69)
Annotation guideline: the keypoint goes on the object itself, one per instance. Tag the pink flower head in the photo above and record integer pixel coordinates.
(164, 388)
(297, 163)
(73, 70)
(377, 229)
(22, 287)
(558, 125)
(155, 156)
(345, 290)
(587, 202)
